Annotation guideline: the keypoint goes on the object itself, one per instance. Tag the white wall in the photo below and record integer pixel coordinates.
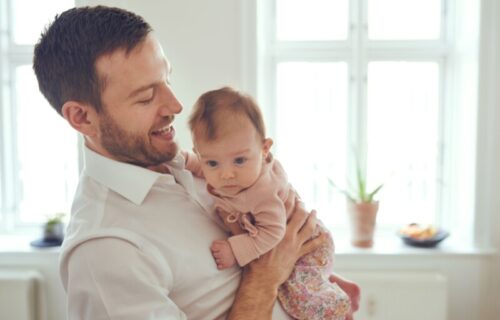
(46, 263)
(202, 40)
(488, 195)
(463, 274)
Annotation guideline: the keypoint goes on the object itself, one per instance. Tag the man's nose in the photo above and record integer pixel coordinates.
(170, 104)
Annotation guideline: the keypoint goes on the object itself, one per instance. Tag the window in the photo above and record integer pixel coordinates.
(388, 84)
(38, 150)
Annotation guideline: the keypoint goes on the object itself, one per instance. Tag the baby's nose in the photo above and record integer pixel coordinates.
(227, 174)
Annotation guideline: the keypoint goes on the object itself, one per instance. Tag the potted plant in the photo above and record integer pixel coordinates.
(52, 232)
(362, 209)
(53, 229)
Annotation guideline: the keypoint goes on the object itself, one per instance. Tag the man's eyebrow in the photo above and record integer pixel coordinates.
(141, 89)
(151, 85)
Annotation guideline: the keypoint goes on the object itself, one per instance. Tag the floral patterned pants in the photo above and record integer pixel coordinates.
(308, 294)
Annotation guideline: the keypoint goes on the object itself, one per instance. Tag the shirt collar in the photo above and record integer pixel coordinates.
(131, 181)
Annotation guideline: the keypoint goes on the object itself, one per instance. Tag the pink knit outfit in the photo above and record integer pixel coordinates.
(262, 210)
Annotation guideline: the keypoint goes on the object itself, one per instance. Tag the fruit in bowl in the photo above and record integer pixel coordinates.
(424, 236)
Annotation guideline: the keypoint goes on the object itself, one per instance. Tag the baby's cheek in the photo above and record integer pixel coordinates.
(253, 176)
(211, 179)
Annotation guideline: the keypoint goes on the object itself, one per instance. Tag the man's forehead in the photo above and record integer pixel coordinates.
(117, 65)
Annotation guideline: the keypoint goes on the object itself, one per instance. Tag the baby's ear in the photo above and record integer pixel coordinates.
(266, 146)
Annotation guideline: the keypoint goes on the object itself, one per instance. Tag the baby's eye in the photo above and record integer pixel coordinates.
(240, 160)
(211, 163)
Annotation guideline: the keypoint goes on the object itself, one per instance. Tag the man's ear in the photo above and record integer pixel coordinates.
(266, 146)
(82, 117)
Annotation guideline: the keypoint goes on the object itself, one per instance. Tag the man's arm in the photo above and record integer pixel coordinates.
(261, 278)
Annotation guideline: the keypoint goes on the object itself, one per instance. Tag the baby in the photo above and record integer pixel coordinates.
(254, 199)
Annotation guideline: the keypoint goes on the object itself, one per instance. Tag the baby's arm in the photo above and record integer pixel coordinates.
(233, 227)
(221, 249)
(270, 227)
(192, 163)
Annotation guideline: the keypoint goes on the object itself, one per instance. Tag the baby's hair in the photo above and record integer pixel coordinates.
(216, 106)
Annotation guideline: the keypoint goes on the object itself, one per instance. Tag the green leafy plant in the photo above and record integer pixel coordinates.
(359, 193)
(54, 220)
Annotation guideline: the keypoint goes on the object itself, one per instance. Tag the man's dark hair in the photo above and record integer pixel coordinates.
(65, 56)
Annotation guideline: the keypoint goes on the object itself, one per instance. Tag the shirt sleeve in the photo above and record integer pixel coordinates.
(110, 278)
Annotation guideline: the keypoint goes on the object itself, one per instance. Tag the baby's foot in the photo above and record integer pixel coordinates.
(223, 254)
(349, 287)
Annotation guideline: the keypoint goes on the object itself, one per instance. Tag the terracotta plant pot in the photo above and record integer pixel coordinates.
(362, 218)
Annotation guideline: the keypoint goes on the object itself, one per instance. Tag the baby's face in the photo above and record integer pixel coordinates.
(233, 161)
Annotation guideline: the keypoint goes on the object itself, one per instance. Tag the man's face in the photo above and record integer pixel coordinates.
(135, 125)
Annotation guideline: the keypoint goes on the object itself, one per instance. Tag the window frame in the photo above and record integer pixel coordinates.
(269, 52)
(12, 56)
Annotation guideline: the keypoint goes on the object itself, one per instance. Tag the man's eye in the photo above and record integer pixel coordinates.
(211, 163)
(240, 160)
(146, 101)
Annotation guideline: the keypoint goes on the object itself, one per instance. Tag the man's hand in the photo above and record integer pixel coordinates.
(276, 265)
(258, 289)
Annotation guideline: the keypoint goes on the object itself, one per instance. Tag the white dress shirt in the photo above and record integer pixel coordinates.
(137, 246)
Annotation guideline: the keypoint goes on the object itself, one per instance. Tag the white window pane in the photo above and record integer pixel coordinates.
(311, 135)
(47, 152)
(403, 139)
(309, 20)
(2, 204)
(404, 19)
(31, 16)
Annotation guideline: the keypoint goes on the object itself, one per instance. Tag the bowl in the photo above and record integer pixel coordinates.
(421, 237)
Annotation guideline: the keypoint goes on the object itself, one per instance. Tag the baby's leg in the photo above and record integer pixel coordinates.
(308, 293)
(350, 288)
(223, 254)
(323, 256)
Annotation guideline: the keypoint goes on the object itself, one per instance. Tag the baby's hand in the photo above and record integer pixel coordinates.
(223, 254)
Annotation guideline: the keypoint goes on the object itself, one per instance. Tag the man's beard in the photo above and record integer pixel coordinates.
(129, 147)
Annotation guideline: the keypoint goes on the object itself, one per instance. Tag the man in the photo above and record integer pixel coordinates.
(137, 245)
